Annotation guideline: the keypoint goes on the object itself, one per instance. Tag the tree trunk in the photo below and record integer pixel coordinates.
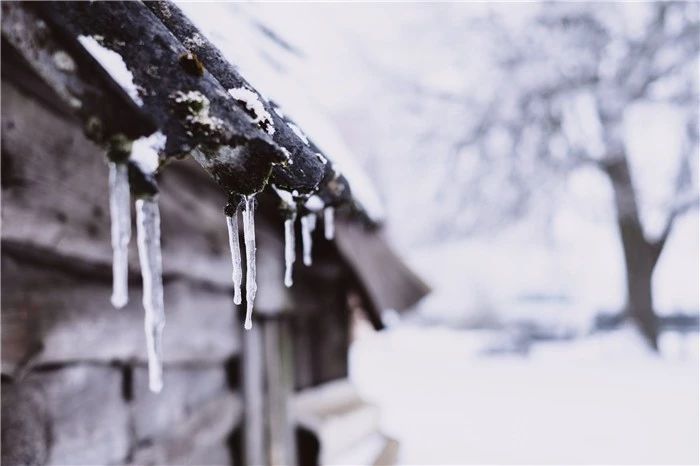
(640, 255)
(639, 266)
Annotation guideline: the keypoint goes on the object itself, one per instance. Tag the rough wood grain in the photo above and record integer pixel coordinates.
(89, 419)
(71, 319)
(25, 426)
(307, 169)
(55, 198)
(186, 389)
(189, 106)
(199, 438)
(310, 170)
(81, 85)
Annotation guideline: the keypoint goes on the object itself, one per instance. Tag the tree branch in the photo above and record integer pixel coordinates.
(678, 210)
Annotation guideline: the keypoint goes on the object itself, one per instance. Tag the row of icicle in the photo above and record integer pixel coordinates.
(148, 241)
(249, 239)
(308, 225)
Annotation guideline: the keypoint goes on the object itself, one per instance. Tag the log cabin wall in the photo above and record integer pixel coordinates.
(73, 362)
(75, 387)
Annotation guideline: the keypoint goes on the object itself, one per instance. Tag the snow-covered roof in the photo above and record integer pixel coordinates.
(270, 62)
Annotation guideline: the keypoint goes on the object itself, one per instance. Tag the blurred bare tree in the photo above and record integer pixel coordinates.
(568, 78)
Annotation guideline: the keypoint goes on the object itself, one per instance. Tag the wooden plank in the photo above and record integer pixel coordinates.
(253, 397)
(25, 421)
(338, 416)
(56, 198)
(55, 317)
(79, 400)
(279, 378)
(74, 77)
(199, 438)
(186, 389)
(268, 375)
(384, 277)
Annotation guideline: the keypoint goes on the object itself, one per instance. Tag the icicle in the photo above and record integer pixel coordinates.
(289, 249)
(249, 237)
(308, 225)
(237, 275)
(120, 213)
(328, 223)
(148, 236)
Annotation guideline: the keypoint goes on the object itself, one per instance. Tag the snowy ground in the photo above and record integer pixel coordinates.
(601, 399)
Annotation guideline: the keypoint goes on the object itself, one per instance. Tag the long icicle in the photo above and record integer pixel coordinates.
(249, 237)
(308, 225)
(328, 223)
(289, 248)
(148, 236)
(234, 245)
(120, 213)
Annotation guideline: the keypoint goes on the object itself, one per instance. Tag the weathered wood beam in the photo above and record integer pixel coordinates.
(75, 77)
(75, 80)
(25, 426)
(307, 168)
(310, 169)
(182, 86)
(385, 282)
(193, 111)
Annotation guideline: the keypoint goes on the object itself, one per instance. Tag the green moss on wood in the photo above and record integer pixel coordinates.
(119, 148)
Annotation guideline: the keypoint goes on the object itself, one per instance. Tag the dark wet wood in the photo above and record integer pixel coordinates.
(307, 170)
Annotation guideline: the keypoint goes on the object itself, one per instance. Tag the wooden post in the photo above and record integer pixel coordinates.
(253, 413)
(268, 386)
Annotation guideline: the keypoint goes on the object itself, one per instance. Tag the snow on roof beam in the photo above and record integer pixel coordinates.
(308, 168)
(190, 107)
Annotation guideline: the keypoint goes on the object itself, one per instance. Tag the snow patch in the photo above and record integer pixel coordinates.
(287, 154)
(198, 105)
(144, 151)
(314, 203)
(260, 116)
(114, 64)
(195, 41)
(617, 387)
(286, 196)
(300, 134)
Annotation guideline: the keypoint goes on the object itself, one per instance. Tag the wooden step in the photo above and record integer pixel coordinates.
(346, 425)
(374, 450)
